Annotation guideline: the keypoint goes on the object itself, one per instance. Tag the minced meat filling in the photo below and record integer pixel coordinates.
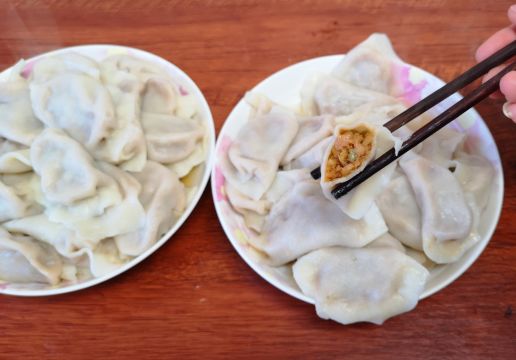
(350, 150)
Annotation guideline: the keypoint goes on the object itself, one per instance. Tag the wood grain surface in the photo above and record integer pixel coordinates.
(195, 297)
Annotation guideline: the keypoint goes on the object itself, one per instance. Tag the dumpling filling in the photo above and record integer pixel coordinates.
(351, 149)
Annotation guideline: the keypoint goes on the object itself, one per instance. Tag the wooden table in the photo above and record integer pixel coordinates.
(195, 297)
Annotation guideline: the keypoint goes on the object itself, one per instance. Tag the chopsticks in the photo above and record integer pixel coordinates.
(440, 121)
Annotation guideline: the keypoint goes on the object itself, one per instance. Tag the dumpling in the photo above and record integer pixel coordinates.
(253, 158)
(159, 96)
(441, 146)
(113, 210)
(170, 138)
(14, 162)
(349, 152)
(67, 171)
(303, 220)
(49, 66)
(103, 259)
(24, 260)
(126, 146)
(329, 95)
(354, 285)
(41, 228)
(27, 189)
(77, 104)
(388, 241)
(311, 131)
(11, 205)
(400, 211)
(475, 175)
(255, 211)
(185, 166)
(163, 199)
(242, 203)
(448, 229)
(18, 122)
(371, 65)
(123, 69)
(313, 157)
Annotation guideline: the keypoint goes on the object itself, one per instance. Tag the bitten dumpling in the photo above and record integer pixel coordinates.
(352, 148)
(354, 285)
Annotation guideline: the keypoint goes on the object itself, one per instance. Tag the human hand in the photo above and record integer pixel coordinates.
(508, 83)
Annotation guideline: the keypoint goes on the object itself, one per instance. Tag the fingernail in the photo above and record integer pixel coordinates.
(506, 111)
(512, 8)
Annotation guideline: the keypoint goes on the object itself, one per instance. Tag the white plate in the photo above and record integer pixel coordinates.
(99, 52)
(284, 88)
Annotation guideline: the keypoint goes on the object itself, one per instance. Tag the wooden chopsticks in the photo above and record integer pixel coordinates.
(440, 121)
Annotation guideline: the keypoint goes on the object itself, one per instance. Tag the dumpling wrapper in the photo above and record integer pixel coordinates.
(400, 211)
(115, 210)
(18, 122)
(388, 241)
(67, 171)
(475, 175)
(448, 223)
(253, 158)
(311, 131)
(358, 201)
(48, 67)
(79, 105)
(25, 260)
(103, 259)
(312, 158)
(441, 146)
(355, 285)
(371, 65)
(163, 198)
(323, 94)
(303, 220)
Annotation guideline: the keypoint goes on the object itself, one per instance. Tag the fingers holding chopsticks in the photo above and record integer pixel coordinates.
(508, 83)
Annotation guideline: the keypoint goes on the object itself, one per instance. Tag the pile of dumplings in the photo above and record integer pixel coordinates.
(97, 161)
(367, 256)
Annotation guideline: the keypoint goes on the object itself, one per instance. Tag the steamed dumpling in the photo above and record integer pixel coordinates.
(447, 220)
(67, 171)
(17, 120)
(356, 144)
(250, 166)
(14, 158)
(303, 220)
(77, 104)
(441, 146)
(170, 138)
(324, 94)
(371, 65)
(313, 157)
(163, 199)
(401, 212)
(354, 285)
(387, 241)
(24, 260)
(311, 131)
(126, 146)
(48, 67)
(113, 210)
(475, 175)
